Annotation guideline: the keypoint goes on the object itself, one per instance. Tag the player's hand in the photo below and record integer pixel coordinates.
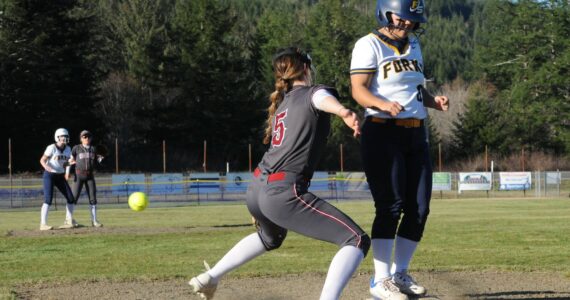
(351, 120)
(389, 107)
(66, 176)
(100, 158)
(441, 103)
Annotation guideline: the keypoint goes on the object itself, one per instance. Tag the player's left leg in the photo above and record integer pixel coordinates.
(311, 216)
(91, 189)
(63, 187)
(415, 214)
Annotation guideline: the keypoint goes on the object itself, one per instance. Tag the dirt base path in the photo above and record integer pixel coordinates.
(441, 285)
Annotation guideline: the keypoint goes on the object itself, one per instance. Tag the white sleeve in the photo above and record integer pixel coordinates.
(364, 60)
(319, 96)
(49, 151)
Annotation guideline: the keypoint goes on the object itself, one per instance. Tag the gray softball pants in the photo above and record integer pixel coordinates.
(281, 202)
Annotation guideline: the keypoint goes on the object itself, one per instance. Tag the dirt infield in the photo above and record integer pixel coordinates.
(441, 285)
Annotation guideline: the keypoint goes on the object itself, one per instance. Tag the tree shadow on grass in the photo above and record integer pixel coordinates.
(522, 295)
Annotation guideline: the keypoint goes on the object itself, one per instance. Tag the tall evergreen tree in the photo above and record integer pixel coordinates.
(46, 80)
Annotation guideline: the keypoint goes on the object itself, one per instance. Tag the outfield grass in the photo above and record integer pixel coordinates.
(172, 242)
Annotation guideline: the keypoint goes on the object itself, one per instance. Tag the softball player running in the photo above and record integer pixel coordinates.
(54, 160)
(387, 77)
(278, 198)
(84, 157)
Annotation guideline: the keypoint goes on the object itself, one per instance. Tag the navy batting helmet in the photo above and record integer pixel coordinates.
(412, 10)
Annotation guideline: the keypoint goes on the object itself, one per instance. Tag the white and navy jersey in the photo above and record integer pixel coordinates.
(57, 158)
(397, 76)
(299, 135)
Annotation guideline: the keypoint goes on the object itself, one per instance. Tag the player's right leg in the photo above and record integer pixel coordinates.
(385, 170)
(48, 196)
(91, 189)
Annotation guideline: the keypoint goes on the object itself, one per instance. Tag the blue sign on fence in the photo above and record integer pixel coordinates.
(204, 183)
(237, 182)
(167, 184)
(125, 184)
(320, 182)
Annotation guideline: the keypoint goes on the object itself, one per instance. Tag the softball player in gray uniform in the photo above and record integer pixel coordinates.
(84, 157)
(54, 161)
(278, 197)
(387, 79)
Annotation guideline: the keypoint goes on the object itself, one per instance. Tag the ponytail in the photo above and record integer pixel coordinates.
(288, 65)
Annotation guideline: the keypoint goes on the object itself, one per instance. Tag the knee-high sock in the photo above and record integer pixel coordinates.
(93, 212)
(343, 265)
(245, 250)
(44, 214)
(382, 251)
(69, 211)
(403, 254)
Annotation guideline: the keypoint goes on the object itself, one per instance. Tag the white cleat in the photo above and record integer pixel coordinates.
(44, 227)
(67, 224)
(96, 224)
(386, 290)
(74, 223)
(203, 285)
(408, 285)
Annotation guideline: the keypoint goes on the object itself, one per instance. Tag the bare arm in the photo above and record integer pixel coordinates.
(43, 162)
(362, 95)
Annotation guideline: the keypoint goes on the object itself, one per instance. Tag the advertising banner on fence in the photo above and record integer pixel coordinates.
(204, 183)
(441, 181)
(509, 181)
(553, 177)
(475, 181)
(237, 182)
(167, 184)
(125, 184)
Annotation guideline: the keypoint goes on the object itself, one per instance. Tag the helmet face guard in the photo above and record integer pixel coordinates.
(61, 133)
(411, 10)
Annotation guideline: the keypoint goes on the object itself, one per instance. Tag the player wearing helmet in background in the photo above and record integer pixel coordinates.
(387, 78)
(297, 128)
(54, 161)
(83, 158)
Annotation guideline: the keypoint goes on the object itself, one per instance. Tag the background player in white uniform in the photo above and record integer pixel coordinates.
(54, 161)
(387, 77)
(278, 197)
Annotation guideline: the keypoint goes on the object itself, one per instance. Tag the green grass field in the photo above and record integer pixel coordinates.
(172, 242)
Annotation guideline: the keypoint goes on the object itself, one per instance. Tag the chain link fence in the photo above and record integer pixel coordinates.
(198, 188)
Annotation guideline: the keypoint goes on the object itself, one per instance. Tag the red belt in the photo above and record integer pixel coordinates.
(271, 177)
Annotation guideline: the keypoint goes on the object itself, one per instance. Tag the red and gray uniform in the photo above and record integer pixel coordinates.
(278, 197)
(85, 160)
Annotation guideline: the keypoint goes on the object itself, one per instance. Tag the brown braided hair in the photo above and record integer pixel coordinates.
(288, 65)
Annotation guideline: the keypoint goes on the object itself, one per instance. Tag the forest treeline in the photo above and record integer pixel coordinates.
(186, 71)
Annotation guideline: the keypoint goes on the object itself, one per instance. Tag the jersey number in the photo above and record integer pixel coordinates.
(420, 96)
(279, 129)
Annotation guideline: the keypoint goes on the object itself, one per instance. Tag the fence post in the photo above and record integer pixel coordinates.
(116, 155)
(10, 169)
(163, 156)
(249, 153)
(205, 151)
